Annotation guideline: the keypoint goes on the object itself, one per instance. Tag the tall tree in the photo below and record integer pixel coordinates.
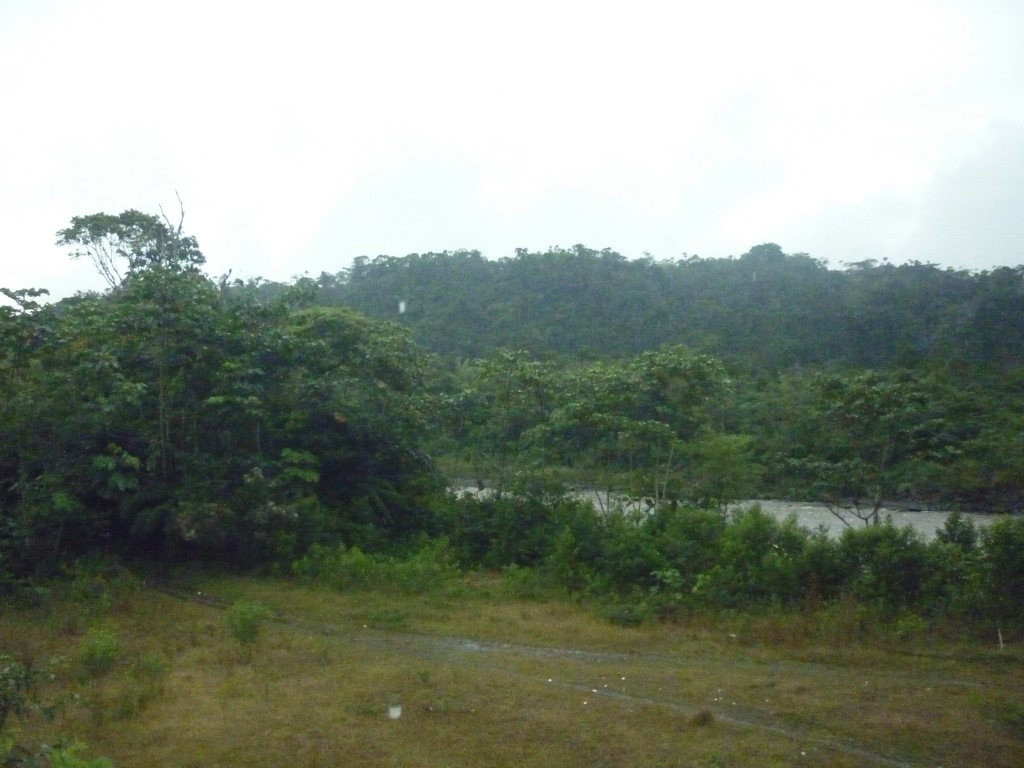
(131, 242)
(871, 428)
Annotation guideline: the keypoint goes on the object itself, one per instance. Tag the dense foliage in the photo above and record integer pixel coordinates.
(680, 557)
(177, 417)
(672, 424)
(765, 308)
(169, 417)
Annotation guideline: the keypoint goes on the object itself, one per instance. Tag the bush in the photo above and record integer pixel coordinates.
(337, 566)
(761, 561)
(245, 622)
(1002, 570)
(67, 757)
(690, 540)
(526, 583)
(511, 529)
(576, 550)
(17, 697)
(430, 568)
(629, 614)
(98, 653)
(885, 566)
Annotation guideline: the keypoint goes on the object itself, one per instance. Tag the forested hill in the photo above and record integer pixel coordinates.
(766, 307)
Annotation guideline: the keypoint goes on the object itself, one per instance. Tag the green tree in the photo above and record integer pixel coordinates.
(870, 428)
(353, 396)
(129, 243)
(1003, 571)
(510, 394)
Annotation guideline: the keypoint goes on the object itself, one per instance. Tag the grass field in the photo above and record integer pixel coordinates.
(153, 677)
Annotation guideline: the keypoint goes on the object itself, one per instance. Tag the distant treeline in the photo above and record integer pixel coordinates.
(767, 308)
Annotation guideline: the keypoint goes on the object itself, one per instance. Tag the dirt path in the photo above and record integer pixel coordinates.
(589, 674)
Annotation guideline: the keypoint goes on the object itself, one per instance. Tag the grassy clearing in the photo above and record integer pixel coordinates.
(487, 679)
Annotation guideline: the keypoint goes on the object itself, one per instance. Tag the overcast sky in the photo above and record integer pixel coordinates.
(301, 134)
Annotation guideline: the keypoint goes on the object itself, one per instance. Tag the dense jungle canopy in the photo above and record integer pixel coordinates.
(765, 308)
(180, 415)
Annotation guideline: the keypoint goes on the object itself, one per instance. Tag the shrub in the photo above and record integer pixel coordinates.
(690, 540)
(430, 568)
(575, 551)
(511, 529)
(629, 614)
(337, 566)
(960, 531)
(17, 697)
(526, 583)
(1002, 571)
(67, 757)
(98, 653)
(885, 566)
(760, 560)
(245, 622)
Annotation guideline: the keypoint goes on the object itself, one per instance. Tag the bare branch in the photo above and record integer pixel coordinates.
(181, 217)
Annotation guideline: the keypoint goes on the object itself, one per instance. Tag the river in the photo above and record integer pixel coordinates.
(814, 516)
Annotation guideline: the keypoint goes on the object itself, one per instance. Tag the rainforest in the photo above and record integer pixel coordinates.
(179, 433)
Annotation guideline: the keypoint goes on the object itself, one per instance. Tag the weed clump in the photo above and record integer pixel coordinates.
(245, 622)
(430, 569)
(98, 653)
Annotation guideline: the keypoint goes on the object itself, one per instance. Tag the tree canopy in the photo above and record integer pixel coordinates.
(765, 308)
(178, 416)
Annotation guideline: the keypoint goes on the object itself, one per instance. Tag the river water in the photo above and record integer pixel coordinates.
(809, 515)
(813, 516)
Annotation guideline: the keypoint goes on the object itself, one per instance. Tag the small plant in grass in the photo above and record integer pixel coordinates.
(245, 622)
(144, 683)
(97, 653)
(909, 626)
(67, 757)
